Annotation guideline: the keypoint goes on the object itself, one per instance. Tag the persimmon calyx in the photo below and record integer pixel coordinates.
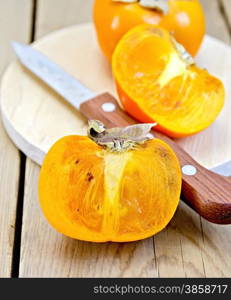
(183, 53)
(160, 5)
(119, 139)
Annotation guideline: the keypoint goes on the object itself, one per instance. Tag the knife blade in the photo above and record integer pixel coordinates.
(54, 76)
(203, 190)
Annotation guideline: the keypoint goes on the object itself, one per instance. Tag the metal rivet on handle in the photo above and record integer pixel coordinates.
(108, 107)
(189, 170)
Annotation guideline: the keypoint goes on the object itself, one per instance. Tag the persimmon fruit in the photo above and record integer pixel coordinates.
(185, 19)
(91, 193)
(157, 80)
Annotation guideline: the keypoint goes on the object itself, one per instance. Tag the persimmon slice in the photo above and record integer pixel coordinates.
(157, 80)
(90, 193)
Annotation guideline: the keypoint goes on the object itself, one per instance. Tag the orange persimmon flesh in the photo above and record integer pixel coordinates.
(89, 193)
(155, 82)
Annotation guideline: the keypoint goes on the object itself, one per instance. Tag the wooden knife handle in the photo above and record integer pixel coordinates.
(206, 192)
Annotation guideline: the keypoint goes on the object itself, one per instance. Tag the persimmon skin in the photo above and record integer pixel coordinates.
(133, 109)
(146, 62)
(112, 20)
(89, 193)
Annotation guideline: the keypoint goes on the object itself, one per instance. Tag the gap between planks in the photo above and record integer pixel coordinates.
(18, 220)
(22, 173)
(225, 8)
(15, 21)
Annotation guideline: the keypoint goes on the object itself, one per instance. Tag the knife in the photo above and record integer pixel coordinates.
(208, 192)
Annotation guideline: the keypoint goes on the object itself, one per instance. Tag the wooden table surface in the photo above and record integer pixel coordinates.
(29, 247)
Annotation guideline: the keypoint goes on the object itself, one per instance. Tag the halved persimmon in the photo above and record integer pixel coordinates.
(110, 189)
(157, 80)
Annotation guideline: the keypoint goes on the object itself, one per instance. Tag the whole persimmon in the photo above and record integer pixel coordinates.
(112, 185)
(183, 18)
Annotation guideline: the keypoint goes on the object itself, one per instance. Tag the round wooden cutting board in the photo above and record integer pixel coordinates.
(35, 116)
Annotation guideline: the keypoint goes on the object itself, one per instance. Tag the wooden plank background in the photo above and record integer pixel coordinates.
(188, 247)
(15, 24)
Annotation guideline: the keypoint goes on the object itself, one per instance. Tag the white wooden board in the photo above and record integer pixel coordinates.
(35, 116)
